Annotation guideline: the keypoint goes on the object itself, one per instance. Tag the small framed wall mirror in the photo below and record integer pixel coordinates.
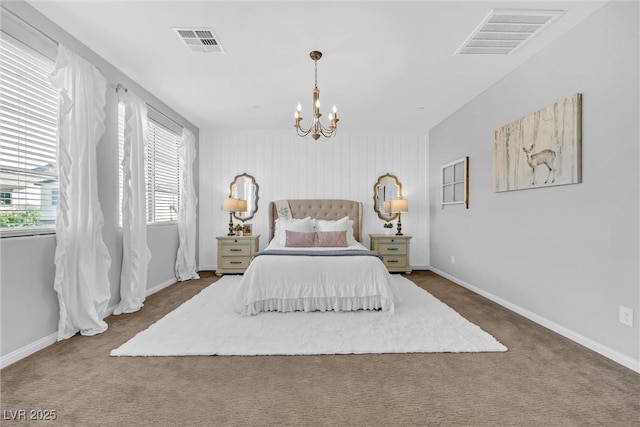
(455, 183)
(245, 187)
(386, 188)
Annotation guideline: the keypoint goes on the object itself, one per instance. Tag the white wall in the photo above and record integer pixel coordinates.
(286, 166)
(29, 306)
(567, 255)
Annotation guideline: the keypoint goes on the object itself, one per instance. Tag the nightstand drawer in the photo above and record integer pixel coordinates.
(390, 239)
(395, 261)
(237, 249)
(392, 248)
(233, 263)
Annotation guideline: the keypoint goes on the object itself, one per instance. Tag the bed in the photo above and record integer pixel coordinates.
(315, 261)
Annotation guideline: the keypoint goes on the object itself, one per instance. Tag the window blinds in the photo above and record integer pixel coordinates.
(120, 157)
(162, 174)
(28, 123)
(162, 170)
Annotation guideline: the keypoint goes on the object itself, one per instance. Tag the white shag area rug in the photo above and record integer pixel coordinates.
(208, 325)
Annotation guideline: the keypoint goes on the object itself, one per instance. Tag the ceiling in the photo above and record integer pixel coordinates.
(387, 65)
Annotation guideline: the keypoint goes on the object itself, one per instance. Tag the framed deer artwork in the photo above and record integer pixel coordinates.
(542, 149)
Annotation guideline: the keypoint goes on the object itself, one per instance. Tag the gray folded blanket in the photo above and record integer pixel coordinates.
(338, 252)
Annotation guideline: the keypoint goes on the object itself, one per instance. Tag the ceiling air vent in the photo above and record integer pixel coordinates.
(199, 39)
(503, 31)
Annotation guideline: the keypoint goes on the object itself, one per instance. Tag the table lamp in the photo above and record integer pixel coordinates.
(398, 206)
(233, 205)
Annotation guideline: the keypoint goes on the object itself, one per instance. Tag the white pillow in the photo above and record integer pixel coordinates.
(341, 224)
(282, 225)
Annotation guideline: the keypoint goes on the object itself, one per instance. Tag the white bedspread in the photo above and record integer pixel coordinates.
(308, 283)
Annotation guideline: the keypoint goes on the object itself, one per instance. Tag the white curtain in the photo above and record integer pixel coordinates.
(81, 258)
(186, 259)
(135, 252)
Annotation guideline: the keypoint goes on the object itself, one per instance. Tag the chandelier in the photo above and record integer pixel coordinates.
(317, 129)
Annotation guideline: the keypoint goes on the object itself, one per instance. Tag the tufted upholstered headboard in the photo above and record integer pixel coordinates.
(330, 209)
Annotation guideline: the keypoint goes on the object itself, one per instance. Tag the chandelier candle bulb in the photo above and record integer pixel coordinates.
(298, 116)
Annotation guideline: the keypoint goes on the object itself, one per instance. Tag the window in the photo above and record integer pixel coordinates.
(5, 198)
(162, 170)
(28, 126)
(455, 183)
(162, 173)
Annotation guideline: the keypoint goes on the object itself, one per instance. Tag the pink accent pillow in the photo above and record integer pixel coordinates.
(300, 239)
(338, 225)
(336, 239)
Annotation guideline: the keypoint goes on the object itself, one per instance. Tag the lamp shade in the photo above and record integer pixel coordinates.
(399, 205)
(230, 205)
(387, 206)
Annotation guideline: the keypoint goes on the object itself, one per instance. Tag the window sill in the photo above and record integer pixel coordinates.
(162, 224)
(25, 232)
(157, 224)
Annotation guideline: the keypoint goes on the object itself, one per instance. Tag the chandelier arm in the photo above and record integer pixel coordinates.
(303, 132)
(327, 133)
(329, 129)
(317, 127)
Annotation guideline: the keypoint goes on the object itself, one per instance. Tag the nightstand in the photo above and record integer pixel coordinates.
(394, 250)
(235, 252)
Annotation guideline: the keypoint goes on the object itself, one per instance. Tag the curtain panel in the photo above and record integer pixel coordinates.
(135, 251)
(186, 259)
(81, 258)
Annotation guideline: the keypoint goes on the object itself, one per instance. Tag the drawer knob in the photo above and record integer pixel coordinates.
(392, 249)
(235, 250)
(236, 262)
(392, 261)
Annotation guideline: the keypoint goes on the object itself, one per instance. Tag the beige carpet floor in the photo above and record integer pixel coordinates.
(543, 380)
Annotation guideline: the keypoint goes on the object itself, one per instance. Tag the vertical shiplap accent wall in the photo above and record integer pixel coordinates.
(286, 166)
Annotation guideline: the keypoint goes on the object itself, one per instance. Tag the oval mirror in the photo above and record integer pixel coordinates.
(244, 187)
(385, 189)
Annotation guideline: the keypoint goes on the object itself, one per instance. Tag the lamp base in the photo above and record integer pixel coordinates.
(231, 232)
(399, 233)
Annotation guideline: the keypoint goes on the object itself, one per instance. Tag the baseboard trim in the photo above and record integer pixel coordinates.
(42, 343)
(28, 350)
(599, 348)
(161, 286)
